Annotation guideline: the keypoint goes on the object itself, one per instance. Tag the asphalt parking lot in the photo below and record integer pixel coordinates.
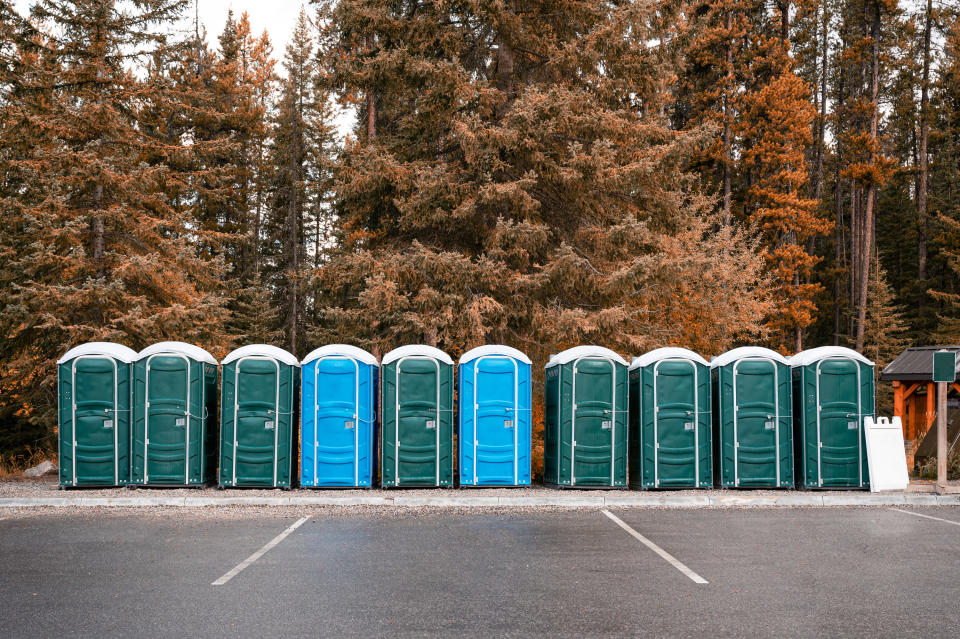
(768, 572)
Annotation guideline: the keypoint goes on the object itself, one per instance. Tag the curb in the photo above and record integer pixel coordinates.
(623, 500)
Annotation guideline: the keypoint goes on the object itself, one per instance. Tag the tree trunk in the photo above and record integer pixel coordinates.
(505, 58)
(292, 239)
(98, 233)
(821, 122)
(868, 221)
(371, 105)
(922, 186)
(727, 154)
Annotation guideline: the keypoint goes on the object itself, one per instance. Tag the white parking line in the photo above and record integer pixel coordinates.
(910, 512)
(673, 561)
(260, 553)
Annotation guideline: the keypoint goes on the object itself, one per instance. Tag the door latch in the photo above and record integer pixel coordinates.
(431, 424)
(508, 423)
(348, 424)
(108, 423)
(268, 425)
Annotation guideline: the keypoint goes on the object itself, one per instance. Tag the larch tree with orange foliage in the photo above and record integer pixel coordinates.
(775, 129)
(95, 251)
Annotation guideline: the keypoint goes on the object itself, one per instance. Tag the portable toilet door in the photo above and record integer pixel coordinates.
(338, 417)
(495, 404)
(753, 418)
(417, 417)
(585, 408)
(670, 388)
(833, 391)
(257, 401)
(93, 392)
(175, 408)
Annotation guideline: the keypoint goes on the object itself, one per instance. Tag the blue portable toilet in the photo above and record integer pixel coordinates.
(338, 416)
(495, 417)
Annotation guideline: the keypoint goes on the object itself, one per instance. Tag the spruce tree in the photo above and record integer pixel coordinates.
(525, 187)
(107, 256)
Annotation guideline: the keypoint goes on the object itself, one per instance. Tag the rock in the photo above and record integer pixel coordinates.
(41, 469)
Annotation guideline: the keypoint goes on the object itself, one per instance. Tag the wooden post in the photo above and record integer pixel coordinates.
(931, 406)
(898, 410)
(941, 437)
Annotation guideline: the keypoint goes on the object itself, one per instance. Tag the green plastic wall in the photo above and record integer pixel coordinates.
(680, 454)
(599, 458)
(753, 439)
(411, 415)
(176, 455)
(94, 421)
(837, 457)
(256, 448)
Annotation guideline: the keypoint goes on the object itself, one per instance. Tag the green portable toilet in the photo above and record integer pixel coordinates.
(416, 436)
(257, 399)
(174, 416)
(753, 418)
(670, 420)
(833, 392)
(93, 393)
(585, 419)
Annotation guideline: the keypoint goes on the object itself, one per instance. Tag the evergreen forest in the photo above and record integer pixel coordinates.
(537, 173)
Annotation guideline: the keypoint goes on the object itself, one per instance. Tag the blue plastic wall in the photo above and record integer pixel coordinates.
(338, 418)
(503, 416)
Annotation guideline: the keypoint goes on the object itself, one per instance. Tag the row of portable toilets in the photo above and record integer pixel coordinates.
(670, 419)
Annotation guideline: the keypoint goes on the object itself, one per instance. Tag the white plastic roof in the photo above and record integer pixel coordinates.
(108, 349)
(812, 355)
(748, 351)
(261, 350)
(416, 350)
(578, 352)
(341, 350)
(191, 351)
(668, 352)
(494, 349)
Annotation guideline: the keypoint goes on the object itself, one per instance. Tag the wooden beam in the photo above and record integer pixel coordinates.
(898, 407)
(955, 386)
(910, 390)
(931, 406)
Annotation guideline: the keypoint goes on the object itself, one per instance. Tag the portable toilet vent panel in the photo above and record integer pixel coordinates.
(670, 420)
(257, 401)
(495, 403)
(753, 418)
(93, 393)
(338, 417)
(833, 391)
(417, 417)
(585, 426)
(174, 415)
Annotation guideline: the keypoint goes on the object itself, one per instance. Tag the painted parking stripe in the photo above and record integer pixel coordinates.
(673, 561)
(260, 553)
(910, 512)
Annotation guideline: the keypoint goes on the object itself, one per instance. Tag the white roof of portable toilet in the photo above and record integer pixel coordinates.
(191, 351)
(107, 349)
(578, 352)
(748, 351)
(341, 350)
(494, 350)
(416, 350)
(668, 352)
(812, 355)
(261, 350)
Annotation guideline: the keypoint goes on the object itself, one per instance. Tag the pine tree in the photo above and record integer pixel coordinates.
(538, 199)
(774, 127)
(301, 148)
(109, 258)
(886, 332)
